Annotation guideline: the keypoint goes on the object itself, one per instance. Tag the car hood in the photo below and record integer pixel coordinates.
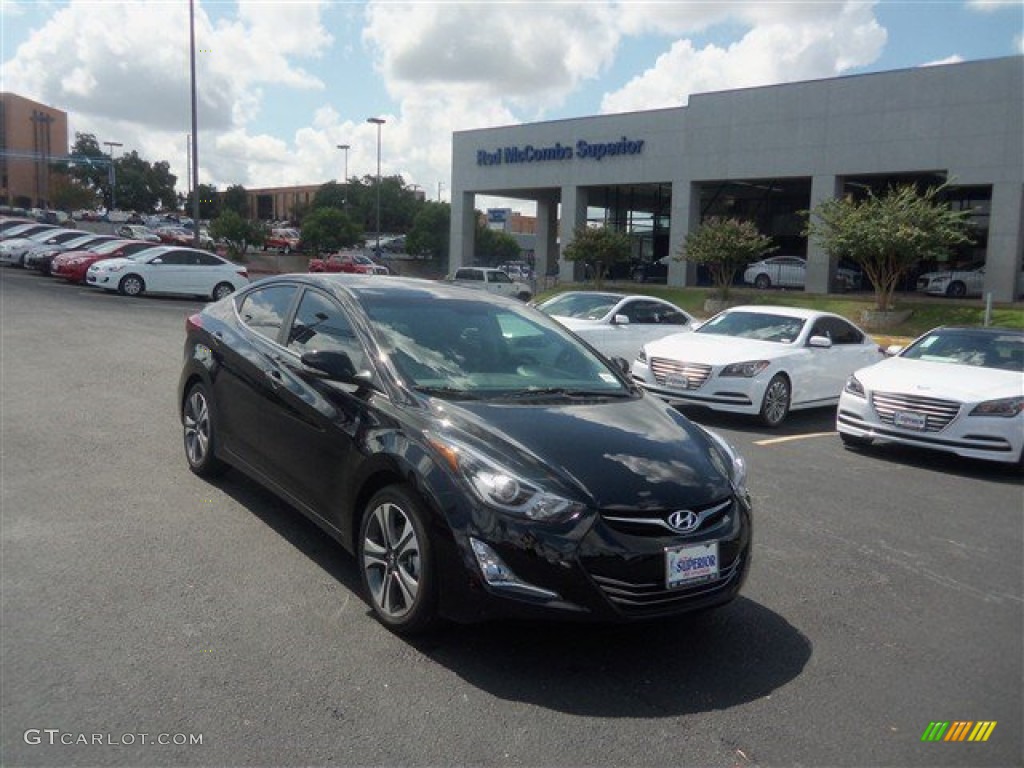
(948, 381)
(712, 349)
(615, 454)
(576, 323)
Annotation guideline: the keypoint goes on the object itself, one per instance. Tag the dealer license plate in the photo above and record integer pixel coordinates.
(909, 420)
(691, 564)
(677, 381)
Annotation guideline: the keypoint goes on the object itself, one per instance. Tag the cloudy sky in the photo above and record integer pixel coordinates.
(282, 82)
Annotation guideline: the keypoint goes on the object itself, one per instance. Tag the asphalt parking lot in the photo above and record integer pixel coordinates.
(143, 605)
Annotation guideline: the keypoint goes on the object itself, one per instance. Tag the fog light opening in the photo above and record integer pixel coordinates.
(500, 577)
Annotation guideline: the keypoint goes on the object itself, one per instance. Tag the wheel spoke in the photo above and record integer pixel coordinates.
(407, 585)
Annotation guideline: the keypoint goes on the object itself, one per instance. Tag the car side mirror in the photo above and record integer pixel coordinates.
(822, 342)
(622, 364)
(336, 364)
(892, 350)
(620, 320)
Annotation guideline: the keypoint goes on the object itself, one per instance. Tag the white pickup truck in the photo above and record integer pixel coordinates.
(491, 280)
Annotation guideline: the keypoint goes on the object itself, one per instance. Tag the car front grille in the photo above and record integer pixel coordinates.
(654, 523)
(694, 373)
(938, 413)
(652, 597)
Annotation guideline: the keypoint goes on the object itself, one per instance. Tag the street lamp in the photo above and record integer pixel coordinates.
(346, 148)
(378, 121)
(113, 171)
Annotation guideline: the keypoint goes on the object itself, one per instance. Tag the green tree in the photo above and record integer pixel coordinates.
(887, 235)
(70, 194)
(91, 165)
(493, 246)
(431, 233)
(328, 229)
(330, 195)
(209, 202)
(236, 199)
(599, 247)
(239, 233)
(724, 245)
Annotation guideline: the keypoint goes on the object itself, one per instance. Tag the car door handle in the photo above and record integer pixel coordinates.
(275, 376)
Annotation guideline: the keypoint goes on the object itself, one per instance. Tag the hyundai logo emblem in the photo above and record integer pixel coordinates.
(683, 520)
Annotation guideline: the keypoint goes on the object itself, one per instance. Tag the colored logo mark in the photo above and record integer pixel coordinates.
(959, 730)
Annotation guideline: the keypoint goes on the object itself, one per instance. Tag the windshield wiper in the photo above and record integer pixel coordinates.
(562, 392)
(452, 392)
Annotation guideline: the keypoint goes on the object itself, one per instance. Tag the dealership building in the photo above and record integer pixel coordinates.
(767, 154)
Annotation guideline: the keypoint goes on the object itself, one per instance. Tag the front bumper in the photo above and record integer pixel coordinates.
(974, 437)
(610, 568)
(730, 394)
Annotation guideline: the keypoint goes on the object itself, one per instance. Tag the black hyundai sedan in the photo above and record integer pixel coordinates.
(479, 460)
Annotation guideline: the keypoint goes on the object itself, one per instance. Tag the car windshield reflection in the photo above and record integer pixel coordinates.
(963, 347)
(587, 306)
(760, 326)
(469, 349)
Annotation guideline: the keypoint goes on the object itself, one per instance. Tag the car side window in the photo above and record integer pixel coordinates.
(643, 312)
(171, 258)
(500, 277)
(264, 310)
(670, 316)
(321, 325)
(207, 259)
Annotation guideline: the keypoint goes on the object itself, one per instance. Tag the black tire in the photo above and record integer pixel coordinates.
(222, 290)
(131, 285)
(198, 431)
(396, 561)
(776, 400)
(854, 441)
(762, 282)
(956, 290)
(523, 296)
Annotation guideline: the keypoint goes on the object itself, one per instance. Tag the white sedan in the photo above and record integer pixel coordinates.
(791, 272)
(169, 269)
(616, 324)
(959, 390)
(763, 361)
(955, 283)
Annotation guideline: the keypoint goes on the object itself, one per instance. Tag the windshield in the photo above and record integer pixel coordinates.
(1002, 351)
(589, 306)
(472, 349)
(782, 329)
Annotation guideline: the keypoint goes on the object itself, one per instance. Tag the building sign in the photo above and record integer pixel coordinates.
(583, 150)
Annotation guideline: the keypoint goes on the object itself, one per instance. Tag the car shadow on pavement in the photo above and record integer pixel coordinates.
(697, 663)
(738, 653)
(889, 457)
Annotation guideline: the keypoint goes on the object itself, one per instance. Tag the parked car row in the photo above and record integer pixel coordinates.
(131, 267)
(959, 390)
(351, 262)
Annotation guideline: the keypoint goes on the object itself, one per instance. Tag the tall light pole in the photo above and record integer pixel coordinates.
(346, 148)
(113, 171)
(195, 124)
(378, 121)
(439, 185)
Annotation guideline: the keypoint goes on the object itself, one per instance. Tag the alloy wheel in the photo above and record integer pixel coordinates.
(775, 406)
(391, 560)
(197, 428)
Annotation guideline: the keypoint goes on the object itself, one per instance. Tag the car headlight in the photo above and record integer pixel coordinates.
(854, 387)
(114, 268)
(501, 488)
(747, 370)
(1007, 407)
(735, 464)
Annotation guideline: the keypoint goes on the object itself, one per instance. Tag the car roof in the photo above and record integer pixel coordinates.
(771, 309)
(358, 284)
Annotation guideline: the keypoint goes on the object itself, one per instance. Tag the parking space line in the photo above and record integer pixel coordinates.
(790, 438)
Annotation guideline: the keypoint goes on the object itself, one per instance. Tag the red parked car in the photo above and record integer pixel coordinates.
(284, 240)
(347, 261)
(72, 265)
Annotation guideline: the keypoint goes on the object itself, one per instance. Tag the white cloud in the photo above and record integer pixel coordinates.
(986, 6)
(526, 53)
(791, 42)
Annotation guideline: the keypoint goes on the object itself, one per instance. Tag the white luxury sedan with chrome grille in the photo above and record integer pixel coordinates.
(759, 360)
(959, 390)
